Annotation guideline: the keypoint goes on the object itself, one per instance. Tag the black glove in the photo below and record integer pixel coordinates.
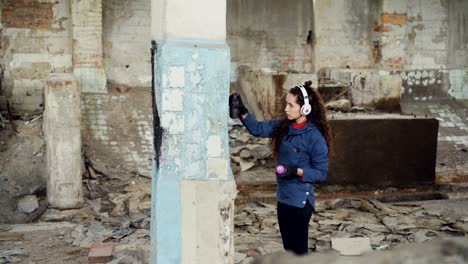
(236, 106)
(286, 171)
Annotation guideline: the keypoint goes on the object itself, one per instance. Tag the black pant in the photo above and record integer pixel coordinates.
(294, 227)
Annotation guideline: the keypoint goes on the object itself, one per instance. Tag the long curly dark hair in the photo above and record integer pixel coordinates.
(318, 116)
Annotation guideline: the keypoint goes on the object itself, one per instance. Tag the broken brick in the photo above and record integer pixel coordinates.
(100, 253)
(395, 19)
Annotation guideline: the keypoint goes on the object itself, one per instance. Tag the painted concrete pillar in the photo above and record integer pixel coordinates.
(62, 131)
(193, 188)
(87, 45)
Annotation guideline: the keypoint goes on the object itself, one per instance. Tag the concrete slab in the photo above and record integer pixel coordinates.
(24, 228)
(452, 154)
(351, 246)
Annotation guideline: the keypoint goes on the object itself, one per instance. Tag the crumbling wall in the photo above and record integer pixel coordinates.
(117, 134)
(37, 41)
(426, 35)
(458, 48)
(458, 33)
(270, 34)
(126, 38)
(22, 171)
(344, 32)
(117, 126)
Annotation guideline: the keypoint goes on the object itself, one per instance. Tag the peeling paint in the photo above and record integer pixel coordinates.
(412, 34)
(214, 146)
(176, 77)
(194, 145)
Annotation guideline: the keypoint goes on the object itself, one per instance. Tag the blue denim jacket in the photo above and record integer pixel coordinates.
(305, 148)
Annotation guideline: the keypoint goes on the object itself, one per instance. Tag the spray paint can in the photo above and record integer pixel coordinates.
(233, 106)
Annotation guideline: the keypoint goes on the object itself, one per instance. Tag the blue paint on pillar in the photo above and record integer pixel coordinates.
(191, 83)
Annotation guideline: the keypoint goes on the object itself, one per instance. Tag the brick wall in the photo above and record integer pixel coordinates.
(87, 32)
(117, 131)
(26, 14)
(36, 41)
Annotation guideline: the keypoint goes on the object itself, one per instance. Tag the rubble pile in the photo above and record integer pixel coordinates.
(116, 212)
(257, 232)
(248, 151)
(23, 174)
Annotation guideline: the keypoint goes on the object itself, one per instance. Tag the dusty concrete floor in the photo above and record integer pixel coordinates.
(53, 242)
(41, 243)
(388, 226)
(453, 251)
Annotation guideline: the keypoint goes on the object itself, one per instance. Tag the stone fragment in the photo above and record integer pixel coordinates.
(95, 234)
(239, 257)
(54, 215)
(356, 227)
(330, 222)
(395, 238)
(236, 143)
(351, 246)
(339, 105)
(236, 159)
(245, 154)
(233, 135)
(261, 152)
(244, 138)
(270, 247)
(341, 234)
(430, 222)
(424, 235)
(235, 168)
(248, 260)
(12, 255)
(376, 239)
(28, 204)
(246, 165)
(4, 228)
(263, 141)
(125, 260)
(398, 223)
(242, 219)
(356, 109)
(362, 217)
(461, 226)
(253, 229)
(235, 150)
(427, 212)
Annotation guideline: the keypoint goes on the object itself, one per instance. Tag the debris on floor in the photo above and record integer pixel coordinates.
(385, 225)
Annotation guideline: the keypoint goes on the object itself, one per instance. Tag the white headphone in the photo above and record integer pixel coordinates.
(306, 108)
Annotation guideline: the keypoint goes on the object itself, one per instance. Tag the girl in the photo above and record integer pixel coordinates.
(301, 144)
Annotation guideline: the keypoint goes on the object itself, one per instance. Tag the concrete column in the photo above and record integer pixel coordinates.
(62, 130)
(87, 45)
(193, 188)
